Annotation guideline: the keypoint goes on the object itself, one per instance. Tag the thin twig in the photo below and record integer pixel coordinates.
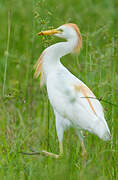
(32, 153)
(100, 99)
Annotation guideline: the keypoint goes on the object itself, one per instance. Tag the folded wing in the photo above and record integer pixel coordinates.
(87, 99)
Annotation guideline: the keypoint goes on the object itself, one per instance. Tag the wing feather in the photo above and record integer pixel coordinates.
(88, 99)
(39, 69)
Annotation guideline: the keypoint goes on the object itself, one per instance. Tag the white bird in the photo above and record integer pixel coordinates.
(73, 102)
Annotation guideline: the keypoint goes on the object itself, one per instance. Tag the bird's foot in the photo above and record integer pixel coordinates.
(43, 152)
(46, 153)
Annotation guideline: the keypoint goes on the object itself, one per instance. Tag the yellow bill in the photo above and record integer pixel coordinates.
(49, 32)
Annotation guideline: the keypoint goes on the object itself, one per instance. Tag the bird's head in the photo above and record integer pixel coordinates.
(68, 31)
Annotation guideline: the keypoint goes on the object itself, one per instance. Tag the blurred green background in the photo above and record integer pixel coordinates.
(26, 117)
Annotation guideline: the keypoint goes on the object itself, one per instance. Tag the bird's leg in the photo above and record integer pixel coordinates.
(52, 154)
(60, 131)
(46, 153)
(84, 153)
(79, 133)
(61, 148)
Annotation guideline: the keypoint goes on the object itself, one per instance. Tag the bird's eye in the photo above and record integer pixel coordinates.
(61, 30)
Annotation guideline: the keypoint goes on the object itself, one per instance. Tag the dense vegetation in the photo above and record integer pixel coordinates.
(26, 117)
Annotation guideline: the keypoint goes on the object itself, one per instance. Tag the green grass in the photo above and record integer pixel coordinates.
(26, 117)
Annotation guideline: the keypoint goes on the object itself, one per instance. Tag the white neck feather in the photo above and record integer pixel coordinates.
(53, 54)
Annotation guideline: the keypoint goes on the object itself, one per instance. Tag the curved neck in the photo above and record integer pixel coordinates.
(53, 53)
(62, 48)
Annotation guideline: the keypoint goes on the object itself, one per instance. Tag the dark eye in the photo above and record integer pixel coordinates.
(61, 30)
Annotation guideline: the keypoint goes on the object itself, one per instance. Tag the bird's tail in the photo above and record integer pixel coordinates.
(101, 129)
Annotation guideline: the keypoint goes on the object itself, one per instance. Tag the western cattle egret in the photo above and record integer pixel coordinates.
(69, 97)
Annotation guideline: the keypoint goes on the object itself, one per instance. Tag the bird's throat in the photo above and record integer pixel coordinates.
(52, 56)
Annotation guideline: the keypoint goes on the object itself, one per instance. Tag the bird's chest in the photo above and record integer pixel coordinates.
(58, 92)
